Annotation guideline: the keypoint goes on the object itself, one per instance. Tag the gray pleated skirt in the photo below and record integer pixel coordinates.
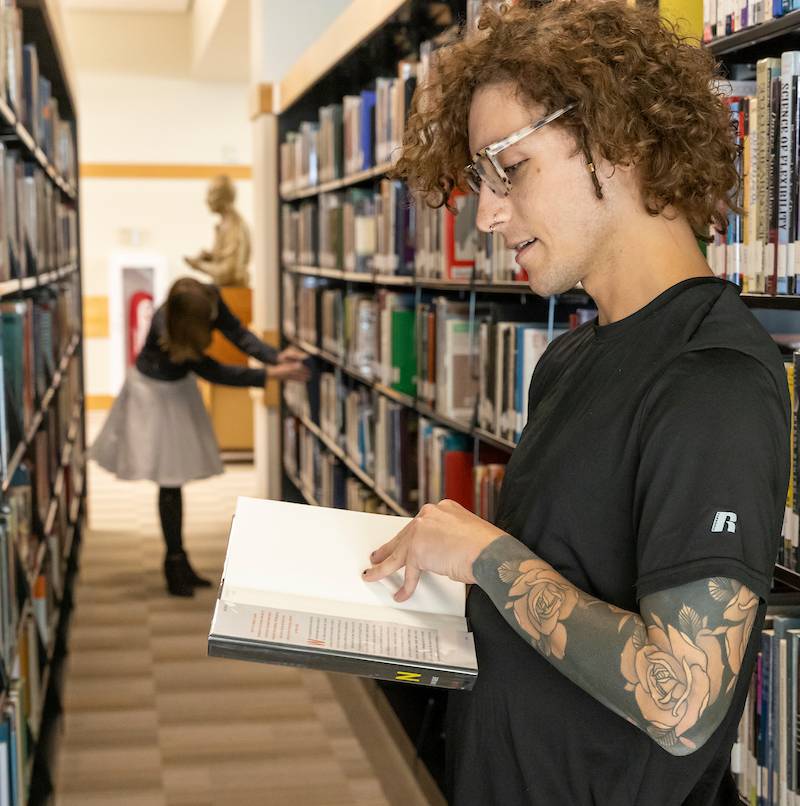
(158, 430)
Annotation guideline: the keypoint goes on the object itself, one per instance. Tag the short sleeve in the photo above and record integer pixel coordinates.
(713, 473)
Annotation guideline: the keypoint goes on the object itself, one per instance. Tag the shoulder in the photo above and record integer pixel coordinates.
(719, 385)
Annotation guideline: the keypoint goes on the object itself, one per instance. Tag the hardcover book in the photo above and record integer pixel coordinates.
(292, 593)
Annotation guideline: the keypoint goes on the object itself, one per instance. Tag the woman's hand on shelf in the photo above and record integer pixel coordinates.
(444, 538)
(292, 354)
(288, 371)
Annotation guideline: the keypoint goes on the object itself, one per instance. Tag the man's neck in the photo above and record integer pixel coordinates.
(645, 260)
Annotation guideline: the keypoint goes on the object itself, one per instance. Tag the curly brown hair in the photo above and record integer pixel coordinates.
(644, 94)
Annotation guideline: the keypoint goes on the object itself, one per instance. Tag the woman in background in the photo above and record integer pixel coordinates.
(158, 428)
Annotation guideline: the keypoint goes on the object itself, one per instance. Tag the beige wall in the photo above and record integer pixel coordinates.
(139, 103)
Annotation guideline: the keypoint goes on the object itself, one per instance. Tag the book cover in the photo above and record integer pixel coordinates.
(319, 613)
(404, 357)
(365, 153)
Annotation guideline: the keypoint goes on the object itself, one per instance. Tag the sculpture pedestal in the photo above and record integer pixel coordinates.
(230, 408)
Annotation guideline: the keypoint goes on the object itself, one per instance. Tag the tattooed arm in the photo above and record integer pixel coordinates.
(670, 670)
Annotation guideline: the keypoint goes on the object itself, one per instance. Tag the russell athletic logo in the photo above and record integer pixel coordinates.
(723, 520)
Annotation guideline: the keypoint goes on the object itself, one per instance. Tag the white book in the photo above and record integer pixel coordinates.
(292, 593)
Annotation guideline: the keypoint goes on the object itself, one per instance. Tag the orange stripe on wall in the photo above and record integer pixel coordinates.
(137, 170)
(99, 401)
(95, 317)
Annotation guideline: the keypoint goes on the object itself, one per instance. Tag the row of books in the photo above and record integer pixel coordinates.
(725, 17)
(33, 332)
(321, 475)
(33, 489)
(410, 458)
(469, 363)
(357, 230)
(759, 250)
(381, 231)
(766, 756)
(789, 551)
(30, 94)
(29, 608)
(19, 717)
(38, 229)
(362, 131)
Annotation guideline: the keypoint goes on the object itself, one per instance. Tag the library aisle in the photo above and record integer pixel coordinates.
(150, 720)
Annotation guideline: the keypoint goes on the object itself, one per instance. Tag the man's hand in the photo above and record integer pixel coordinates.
(291, 354)
(444, 538)
(192, 261)
(288, 371)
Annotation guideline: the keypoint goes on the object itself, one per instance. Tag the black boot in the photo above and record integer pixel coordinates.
(178, 582)
(193, 577)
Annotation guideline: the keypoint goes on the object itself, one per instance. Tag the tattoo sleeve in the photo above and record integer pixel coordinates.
(669, 670)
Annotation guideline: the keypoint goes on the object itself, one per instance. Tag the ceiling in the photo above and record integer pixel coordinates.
(128, 6)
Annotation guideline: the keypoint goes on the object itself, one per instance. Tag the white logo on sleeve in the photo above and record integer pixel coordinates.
(722, 520)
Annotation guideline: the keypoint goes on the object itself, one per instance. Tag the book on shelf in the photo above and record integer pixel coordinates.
(725, 17)
(396, 465)
(9, 595)
(789, 551)
(456, 341)
(330, 143)
(321, 614)
(487, 479)
(445, 465)
(759, 249)
(508, 354)
(765, 758)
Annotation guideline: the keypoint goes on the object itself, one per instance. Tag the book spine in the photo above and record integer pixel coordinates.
(360, 666)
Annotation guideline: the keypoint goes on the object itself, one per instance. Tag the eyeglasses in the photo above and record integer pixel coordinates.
(486, 167)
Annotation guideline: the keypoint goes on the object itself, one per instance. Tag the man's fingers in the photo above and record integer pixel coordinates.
(409, 584)
(381, 570)
(380, 554)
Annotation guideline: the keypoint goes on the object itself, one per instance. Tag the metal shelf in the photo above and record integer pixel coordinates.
(298, 482)
(10, 288)
(406, 400)
(22, 447)
(338, 184)
(349, 463)
(787, 576)
(576, 295)
(748, 43)
(11, 122)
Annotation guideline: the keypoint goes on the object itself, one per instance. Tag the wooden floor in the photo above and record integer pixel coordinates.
(150, 719)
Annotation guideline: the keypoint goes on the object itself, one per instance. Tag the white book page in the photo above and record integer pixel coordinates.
(320, 552)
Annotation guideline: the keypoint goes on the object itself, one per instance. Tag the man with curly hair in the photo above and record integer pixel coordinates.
(641, 511)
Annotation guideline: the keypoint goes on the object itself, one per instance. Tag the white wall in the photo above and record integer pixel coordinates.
(139, 103)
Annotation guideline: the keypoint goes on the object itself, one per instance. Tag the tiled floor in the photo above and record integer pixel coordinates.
(150, 719)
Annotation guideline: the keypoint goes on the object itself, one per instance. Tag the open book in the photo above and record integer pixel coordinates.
(292, 593)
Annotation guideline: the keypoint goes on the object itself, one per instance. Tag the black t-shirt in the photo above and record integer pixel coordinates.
(154, 361)
(639, 433)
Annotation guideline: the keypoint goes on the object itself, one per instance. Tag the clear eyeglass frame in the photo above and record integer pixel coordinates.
(485, 165)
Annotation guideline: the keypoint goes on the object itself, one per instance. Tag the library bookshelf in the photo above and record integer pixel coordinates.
(320, 284)
(42, 425)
